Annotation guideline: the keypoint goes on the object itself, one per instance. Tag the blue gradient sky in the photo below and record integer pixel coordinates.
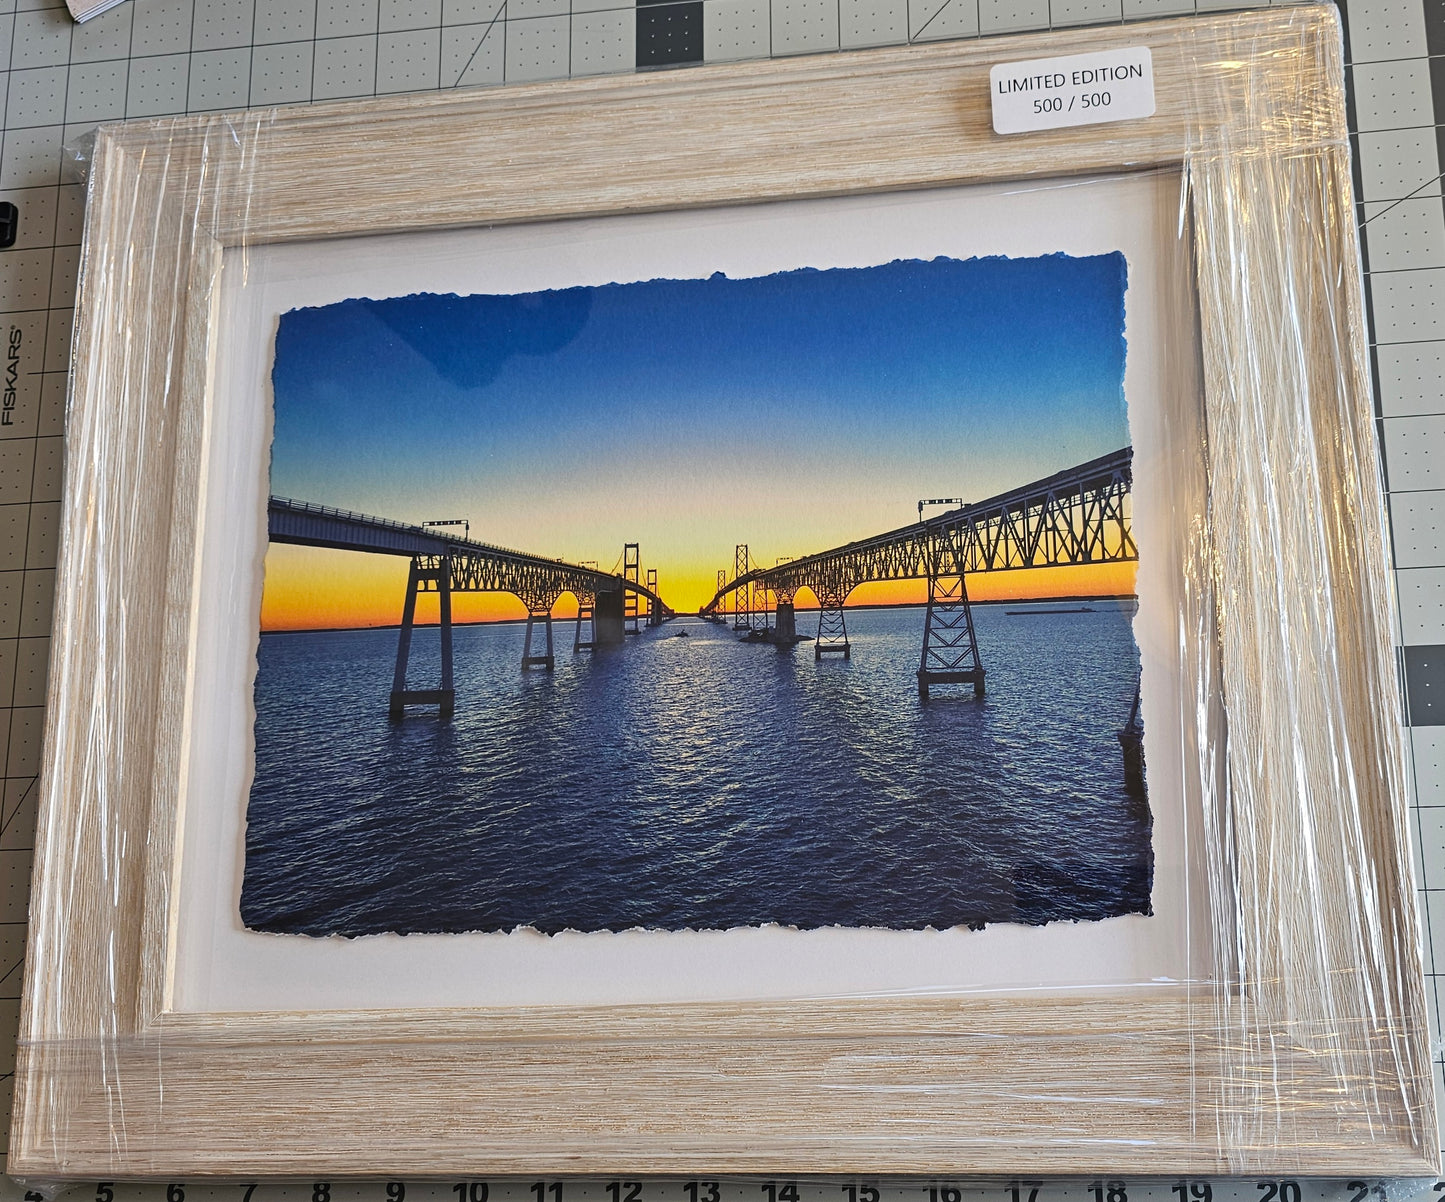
(793, 412)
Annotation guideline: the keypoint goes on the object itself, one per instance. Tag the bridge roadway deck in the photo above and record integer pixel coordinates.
(1065, 518)
(306, 524)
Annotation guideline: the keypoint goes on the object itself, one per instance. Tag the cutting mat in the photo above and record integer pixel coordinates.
(157, 57)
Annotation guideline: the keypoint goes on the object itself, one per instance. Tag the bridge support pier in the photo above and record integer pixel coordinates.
(609, 618)
(1131, 746)
(950, 651)
(443, 698)
(584, 614)
(785, 624)
(832, 633)
(546, 660)
(764, 615)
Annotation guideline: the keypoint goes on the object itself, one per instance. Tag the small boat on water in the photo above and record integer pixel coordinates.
(1028, 613)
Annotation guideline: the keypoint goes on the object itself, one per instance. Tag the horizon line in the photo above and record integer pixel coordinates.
(693, 614)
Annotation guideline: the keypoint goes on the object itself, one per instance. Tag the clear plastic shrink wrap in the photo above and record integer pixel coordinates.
(1261, 1009)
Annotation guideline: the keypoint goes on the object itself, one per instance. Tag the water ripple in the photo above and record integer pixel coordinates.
(696, 783)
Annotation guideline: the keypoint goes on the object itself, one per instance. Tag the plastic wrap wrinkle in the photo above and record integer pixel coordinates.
(1305, 1046)
(1271, 355)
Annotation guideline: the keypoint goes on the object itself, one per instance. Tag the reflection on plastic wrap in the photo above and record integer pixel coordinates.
(1294, 1041)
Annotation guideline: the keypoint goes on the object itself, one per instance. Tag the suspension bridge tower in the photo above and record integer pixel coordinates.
(631, 573)
(743, 594)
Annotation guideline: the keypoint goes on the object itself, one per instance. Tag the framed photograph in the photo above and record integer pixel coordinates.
(731, 621)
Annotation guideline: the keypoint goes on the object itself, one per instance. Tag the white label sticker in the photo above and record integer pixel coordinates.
(1076, 89)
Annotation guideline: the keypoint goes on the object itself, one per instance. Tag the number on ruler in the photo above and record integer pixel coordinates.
(1018, 1190)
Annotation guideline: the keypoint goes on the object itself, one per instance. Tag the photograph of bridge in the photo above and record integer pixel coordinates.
(803, 599)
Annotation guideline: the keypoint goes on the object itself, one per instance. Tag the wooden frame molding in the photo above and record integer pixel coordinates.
(1314, 1059)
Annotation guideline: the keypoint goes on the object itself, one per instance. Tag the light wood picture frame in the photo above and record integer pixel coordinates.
(1311, 1057)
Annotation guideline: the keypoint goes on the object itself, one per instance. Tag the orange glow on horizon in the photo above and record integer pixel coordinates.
(1028, 584)
(312, 588)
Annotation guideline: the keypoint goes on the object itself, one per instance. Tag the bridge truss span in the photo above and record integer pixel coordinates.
(474, 567)
(447, 565)
(537, 585)
(1076, 517)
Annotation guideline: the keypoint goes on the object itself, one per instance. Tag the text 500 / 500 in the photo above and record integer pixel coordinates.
(1052, 93)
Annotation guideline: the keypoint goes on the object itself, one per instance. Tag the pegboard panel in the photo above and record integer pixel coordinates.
(159, 57)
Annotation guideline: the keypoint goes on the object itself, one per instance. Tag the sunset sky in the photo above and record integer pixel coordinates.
(793, 412)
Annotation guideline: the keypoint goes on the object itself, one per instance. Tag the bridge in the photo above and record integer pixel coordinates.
(442, 563)
(1078, 516)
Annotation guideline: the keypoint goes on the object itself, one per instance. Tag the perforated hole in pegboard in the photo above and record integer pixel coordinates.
(669, 33)
(1418, 527)
(14, 884)
(18, 810)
